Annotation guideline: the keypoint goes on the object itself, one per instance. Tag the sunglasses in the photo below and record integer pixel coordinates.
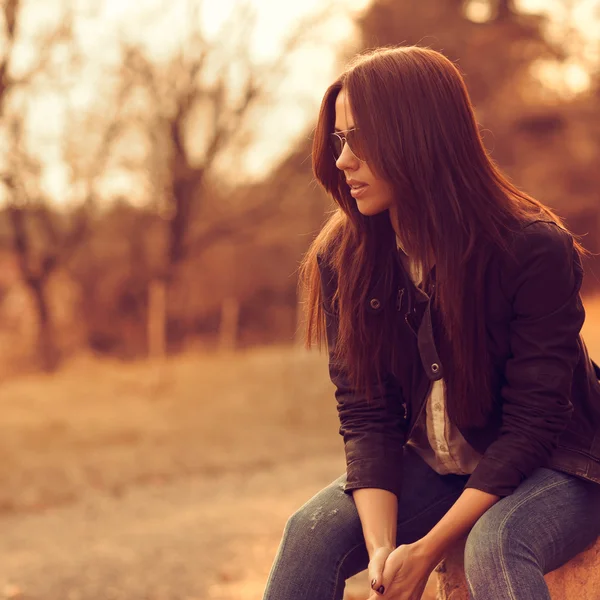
(351, 137)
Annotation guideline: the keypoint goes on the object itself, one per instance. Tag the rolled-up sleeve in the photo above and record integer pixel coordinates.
(373, 430)
(543, 286)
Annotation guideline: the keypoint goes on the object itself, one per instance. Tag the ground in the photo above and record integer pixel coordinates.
(172, 481)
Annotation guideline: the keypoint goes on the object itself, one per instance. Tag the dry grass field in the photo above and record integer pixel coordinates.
(107, 426)
(149, 481)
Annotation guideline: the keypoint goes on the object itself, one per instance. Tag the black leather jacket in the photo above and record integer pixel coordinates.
(546, 389)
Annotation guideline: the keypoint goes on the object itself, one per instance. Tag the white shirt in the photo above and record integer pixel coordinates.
(435, 438)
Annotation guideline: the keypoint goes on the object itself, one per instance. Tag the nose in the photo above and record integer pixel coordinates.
(347, 160)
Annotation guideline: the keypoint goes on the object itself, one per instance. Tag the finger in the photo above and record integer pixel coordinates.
(375, 576)
(389, 579)
(376, 568)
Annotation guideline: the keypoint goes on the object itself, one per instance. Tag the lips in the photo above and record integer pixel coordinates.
(358, 189)
(354, 184)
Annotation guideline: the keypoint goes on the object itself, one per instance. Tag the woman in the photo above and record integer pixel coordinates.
(450, 303)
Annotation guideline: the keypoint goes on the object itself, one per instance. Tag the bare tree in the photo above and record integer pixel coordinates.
(42, 238)
(199, 107)
(18, 166)
(10, 13)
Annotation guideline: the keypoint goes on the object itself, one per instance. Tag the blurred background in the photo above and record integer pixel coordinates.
(160, 419)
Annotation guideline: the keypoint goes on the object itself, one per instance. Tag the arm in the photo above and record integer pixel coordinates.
(373, 432)
(547, 317)
(543, 287)
(378, 512)
(456, 523)
(404, 571)
(544, 333)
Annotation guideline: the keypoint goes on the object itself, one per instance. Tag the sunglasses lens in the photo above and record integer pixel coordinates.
(353, 140)
(336, 145)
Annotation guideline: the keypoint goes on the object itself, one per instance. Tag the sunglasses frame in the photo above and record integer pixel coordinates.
(344, 140)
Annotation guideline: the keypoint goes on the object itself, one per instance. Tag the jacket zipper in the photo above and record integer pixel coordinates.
(409, 324)
(399, 299)
(410, 310)
(423, 403)
(406, 315)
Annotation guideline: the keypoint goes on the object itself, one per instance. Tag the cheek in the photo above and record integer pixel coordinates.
(384, 195)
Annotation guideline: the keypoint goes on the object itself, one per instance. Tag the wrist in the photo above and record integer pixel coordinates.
(431, 547)
(373, 548)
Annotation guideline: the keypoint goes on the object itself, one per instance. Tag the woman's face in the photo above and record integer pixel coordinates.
(372, 194)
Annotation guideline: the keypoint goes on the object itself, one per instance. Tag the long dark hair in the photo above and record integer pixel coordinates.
(418, 129)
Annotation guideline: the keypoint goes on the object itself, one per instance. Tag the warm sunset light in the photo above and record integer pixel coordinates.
(293, 107)
(175, 213)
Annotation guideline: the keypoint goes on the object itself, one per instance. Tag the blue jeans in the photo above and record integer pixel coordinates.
(549, 518)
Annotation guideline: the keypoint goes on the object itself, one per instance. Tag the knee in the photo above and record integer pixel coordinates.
(492, 544)
(322, 530)
(322, 546)
(303, 521)
(486, 546)
(314, 520)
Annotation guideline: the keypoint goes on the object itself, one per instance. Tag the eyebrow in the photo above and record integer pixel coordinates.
(336, 130)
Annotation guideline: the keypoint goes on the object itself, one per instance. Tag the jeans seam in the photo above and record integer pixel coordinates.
(337, 573)
(503, 525)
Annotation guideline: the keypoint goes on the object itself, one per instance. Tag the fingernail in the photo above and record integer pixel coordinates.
(373, 583)
(381, 589)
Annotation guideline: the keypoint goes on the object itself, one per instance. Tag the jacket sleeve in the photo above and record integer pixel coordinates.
(373, 432)
(543, 286)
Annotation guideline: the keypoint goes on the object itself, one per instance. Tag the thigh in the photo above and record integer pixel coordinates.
(323, 541)
(426, 496)
(330, 520)
(322, 546)
(550, 518)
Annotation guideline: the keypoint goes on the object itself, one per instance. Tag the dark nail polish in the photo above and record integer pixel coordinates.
(373, 583)
(381, 589)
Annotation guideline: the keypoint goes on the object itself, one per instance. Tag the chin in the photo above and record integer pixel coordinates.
(370, 210)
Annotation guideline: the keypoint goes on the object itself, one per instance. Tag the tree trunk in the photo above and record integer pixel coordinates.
(157, 319)
(47, 350)
(228, 331)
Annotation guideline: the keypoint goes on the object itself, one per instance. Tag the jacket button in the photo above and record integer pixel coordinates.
(435, 367)
(375, 303)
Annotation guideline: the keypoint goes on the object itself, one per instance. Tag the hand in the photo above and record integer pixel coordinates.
(402, 572)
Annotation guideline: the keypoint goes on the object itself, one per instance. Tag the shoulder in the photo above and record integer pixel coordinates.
(542, 237)
(535, 244)
(544, 264)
